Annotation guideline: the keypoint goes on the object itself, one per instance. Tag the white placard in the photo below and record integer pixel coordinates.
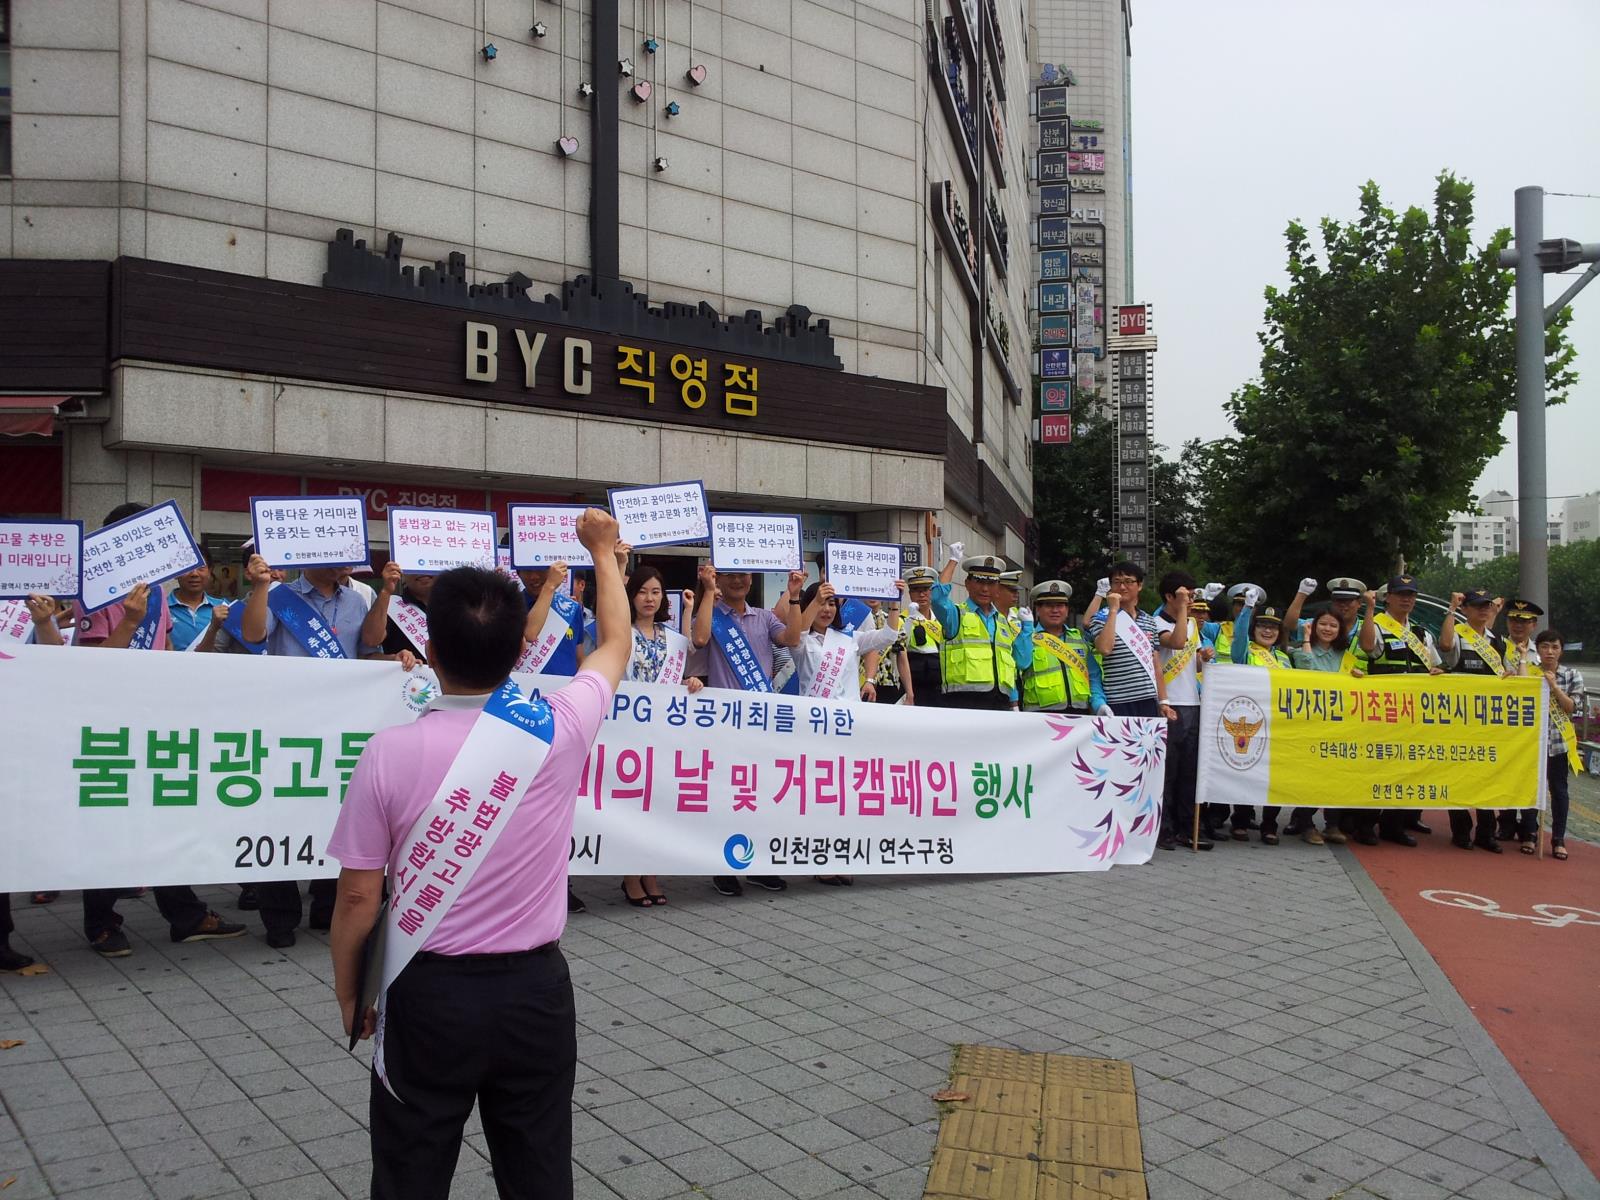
(668, 514)
(755, 542)
(542, 534)
(144, 548)
(43, 556)
(426, 541)
(864, 569)
(310, 531)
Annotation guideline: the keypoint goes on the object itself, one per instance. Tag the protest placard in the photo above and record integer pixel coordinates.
(310, 531)
(866, 569)
(668, 514)
(426, 541)
(43, 556)
(144, 548)
(755, 542)
(542, 534)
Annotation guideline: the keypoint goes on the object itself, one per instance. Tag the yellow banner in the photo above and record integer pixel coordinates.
(1320, 739)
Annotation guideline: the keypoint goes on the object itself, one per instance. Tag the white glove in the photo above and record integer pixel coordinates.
(913, 610)
(1308, 586)
(1211, 591)
(1025, 615)
(1251, 595)
(1104, 711)
(958, 551)
(1102, 587)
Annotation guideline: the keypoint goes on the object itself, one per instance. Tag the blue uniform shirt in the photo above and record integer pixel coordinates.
(186, 625)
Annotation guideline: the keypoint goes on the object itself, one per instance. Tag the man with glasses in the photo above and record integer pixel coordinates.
(1125, 639)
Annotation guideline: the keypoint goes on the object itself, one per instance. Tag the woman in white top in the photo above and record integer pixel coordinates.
(823, 613)
(652, 650)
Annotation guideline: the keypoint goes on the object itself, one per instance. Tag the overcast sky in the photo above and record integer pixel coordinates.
(1248, 113)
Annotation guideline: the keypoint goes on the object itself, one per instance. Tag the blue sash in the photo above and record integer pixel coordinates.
(233, 626)
(737, 653)
(855, 613)
(144, 637)
(303, 623)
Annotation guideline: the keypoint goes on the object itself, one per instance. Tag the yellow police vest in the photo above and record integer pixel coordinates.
(971, 658)
(1050, 682)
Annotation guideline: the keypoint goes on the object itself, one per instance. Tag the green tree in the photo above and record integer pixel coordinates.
(1574, 587)
(1387, 366)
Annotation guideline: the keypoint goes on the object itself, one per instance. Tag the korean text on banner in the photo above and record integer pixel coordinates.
(1318, 739)
(178, 789)
(755, 542)
(426, 541)
(543, 534)
(145, 548)
(865, 569)
(42, 556)
(668, 514)
(310, 531)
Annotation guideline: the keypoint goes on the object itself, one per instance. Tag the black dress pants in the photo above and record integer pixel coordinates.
(1461, 824)
(179, 905)
(500, 1029)
(1183, 764)
(281, 909)
(990, 701)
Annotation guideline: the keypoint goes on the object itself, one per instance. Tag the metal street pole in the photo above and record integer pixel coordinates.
(1533, 533)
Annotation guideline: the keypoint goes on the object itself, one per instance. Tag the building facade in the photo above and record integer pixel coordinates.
(1580, 518)
(1472, 540)
(462, 252)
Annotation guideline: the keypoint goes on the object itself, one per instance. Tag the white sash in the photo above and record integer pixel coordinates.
(16, 622)
(412, 622)
(833, 680)
(504, 750)
(540, 650)
(672, 667)
(1138, 641)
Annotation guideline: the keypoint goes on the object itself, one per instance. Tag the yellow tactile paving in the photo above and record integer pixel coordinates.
(1038, 1127)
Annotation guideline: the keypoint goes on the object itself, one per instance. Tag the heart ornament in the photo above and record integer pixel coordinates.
(696, 75)
(642, 90)
(567, 145)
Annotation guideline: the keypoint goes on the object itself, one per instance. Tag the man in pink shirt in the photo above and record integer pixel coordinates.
(484, 1011)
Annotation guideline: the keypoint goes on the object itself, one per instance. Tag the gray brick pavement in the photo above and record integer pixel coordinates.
(784, 1046)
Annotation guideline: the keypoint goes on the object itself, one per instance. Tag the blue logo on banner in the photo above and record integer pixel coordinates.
(738, 852)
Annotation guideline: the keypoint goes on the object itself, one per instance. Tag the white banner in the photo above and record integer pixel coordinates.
(864, 569)
(43, 556)
(542, 534)
(755, 542)
(210, 777)
(145, 548)
(667, 514)
(311, 531)
(426, 541)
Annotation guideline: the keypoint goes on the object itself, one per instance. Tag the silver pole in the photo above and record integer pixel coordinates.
(1533, 545)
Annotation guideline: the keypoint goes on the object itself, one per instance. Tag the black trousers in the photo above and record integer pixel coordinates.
(991, 701)
(1390, 822)
(179, 905)
(889, 693)
(1559, 775)
(927, 679)
(1461, 823)
(7, 925)
(280, 908)
(1183, 765)
(500, 1029)
(1244, 813)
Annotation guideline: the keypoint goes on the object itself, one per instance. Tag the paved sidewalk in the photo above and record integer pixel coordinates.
(786, 1045)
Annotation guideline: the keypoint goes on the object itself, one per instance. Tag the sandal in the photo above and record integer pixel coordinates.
(1529, 848)
(1269, 839)
(1558, 851)
(655, 897)
(641, 902)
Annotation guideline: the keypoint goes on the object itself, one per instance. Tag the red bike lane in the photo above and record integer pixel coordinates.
(1519, 938)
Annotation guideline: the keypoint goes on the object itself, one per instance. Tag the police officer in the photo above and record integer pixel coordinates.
(1008, 593)
(923, 638)
(1064, 676)
(1222, 634)
(1470, 648)
(981, 651)
(1346, 592)
(1392, 645)
(1521, 659)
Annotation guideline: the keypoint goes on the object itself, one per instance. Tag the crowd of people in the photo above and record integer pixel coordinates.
(989, 651)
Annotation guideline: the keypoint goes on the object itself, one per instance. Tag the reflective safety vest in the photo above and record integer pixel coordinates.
(924, 635)
(1260, 656)
(1051, 685)
(973, 658)
(1224, 643)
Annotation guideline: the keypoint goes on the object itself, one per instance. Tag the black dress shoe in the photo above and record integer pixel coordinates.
(1366, 839)
(1204, 843)
(247, 899)
(280, 939)
(1464, 842)
(1400, 839)
(1489, 844)
(1417, 827)
(574, 904)
(1166, 842)
(319, 920)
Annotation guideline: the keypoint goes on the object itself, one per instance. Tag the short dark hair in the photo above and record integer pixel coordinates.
(1173, 580)
(475, 623)
(636, 583)
(1127, 567)
(810, 594)
(123, 511)
(1546, 635)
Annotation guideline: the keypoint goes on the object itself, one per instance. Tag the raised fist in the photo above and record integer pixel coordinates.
(1308, 586)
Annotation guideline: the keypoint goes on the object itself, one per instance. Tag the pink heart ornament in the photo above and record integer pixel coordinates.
(696, 75)
(567, 145)
(642, 90)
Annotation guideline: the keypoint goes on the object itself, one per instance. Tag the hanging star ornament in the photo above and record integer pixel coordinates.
(540, 29)
(661, 164)
(674, 108)
(625, 67)
(651, 45)
(585, 89)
